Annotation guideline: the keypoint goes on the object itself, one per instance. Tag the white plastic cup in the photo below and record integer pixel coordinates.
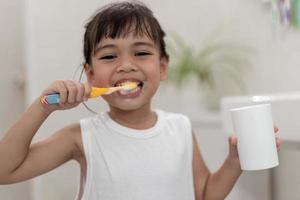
(256, 145)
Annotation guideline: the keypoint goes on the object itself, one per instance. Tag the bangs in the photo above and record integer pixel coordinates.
(118, 21)
(122, 26)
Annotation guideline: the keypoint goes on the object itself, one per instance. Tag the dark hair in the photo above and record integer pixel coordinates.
(117, 20)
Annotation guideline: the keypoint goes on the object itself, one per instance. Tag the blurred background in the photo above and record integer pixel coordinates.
(41, 41)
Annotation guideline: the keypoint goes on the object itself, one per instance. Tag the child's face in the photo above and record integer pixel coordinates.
(131, 58)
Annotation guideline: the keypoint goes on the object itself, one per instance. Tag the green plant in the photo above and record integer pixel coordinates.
(215, 59)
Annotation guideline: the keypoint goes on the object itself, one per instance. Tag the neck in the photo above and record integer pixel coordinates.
(141, 118)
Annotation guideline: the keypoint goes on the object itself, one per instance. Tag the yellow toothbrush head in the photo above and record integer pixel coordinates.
(124, 86)
(96, 92)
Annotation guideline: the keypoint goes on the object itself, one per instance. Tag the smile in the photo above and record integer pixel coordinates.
(129, 93)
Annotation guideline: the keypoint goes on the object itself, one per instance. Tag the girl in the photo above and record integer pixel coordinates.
(132, 151)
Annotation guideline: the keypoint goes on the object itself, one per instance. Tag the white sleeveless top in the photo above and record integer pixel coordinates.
(130, 164)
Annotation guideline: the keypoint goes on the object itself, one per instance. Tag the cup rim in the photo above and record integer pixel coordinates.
(250, 107)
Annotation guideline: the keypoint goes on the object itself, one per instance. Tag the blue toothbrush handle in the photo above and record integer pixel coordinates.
(51, 99)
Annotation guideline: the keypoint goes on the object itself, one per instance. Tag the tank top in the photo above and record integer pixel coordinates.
(130, 164)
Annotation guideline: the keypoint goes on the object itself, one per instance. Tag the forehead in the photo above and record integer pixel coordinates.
(130, 31)
(130, 40)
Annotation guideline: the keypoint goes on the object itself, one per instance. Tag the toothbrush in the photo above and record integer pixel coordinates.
(96, 92)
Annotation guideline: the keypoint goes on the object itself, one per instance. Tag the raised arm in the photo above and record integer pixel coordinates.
(21, 160)
(215, 186)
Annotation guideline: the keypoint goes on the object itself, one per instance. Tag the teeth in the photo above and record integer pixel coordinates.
(126, 82)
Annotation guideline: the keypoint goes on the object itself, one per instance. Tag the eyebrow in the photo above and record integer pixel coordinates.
(107, 46)
(144, 44)
(136, 44)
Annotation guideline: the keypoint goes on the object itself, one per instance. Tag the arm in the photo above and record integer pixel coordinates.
(215, 186)
(19, 159)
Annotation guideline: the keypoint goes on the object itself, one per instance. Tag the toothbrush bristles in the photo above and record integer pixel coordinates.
(129, 85)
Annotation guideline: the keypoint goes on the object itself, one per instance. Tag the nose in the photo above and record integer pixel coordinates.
(126, 65)
(126, 68)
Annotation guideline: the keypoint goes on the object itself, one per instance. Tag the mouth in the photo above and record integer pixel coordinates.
(132, 93)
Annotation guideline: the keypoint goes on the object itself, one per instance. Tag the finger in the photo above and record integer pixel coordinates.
(72, 91)
(232, 140)
(53, 88)
(80, 92)
(276, 129)
(87, 91)
(63, 92)
(278, 143)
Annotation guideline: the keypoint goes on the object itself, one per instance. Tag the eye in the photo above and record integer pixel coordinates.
(142, 53)
(108, 57)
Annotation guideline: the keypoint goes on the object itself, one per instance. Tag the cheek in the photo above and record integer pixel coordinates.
(154, 73)
(102, 78)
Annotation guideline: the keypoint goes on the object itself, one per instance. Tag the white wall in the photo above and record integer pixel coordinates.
(54, 32)
(12, 91)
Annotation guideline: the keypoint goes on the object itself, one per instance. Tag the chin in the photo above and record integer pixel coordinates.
(129, 104)
(128, 107)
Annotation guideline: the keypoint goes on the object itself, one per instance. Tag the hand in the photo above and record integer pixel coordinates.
(233, 152)
(72, 93)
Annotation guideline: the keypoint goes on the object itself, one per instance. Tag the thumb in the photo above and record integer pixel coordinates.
(232, 140)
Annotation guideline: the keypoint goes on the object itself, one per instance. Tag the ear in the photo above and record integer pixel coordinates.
(164, 66)
(89, 72)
